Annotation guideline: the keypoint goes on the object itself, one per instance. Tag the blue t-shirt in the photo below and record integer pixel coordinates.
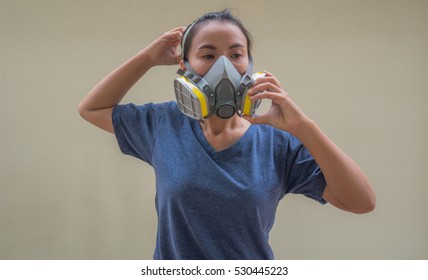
(215, 205)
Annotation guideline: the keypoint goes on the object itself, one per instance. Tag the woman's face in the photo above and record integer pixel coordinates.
(215, 39)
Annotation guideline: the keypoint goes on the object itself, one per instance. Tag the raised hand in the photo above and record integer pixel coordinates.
(163, 51)
(284, 114)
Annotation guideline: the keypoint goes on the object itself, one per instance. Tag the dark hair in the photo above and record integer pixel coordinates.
(222, 16)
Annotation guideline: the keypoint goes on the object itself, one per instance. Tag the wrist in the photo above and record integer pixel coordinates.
(146, 60)
(304, 129)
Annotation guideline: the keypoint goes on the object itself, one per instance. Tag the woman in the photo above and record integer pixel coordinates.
(219, 180)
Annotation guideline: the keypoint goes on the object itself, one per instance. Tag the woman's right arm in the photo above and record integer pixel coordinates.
(98, 104)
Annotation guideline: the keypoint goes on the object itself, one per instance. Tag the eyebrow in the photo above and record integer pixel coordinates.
(237, 45)
(212, 47)
(207, 46)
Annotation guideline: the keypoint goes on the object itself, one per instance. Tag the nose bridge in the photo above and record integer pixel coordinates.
(224, 58)
(218, 71)
(230, 65)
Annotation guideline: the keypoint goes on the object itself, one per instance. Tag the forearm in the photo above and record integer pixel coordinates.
(97, 106)
(110, 90)
(347, 186)
(346, 182)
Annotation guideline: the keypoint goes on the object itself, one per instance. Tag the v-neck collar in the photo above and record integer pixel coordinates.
(230, 151)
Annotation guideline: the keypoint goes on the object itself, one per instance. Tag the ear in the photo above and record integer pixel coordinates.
(182, 66)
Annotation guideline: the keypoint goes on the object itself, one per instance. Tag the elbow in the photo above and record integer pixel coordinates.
(368, 206)
(83, 112)
(101, 118)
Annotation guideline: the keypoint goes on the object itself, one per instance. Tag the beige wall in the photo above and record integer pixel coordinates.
(359, 68)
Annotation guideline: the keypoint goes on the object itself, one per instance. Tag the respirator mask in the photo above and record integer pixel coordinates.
(221, 91)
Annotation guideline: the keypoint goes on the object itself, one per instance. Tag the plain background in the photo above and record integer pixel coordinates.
(358, 68)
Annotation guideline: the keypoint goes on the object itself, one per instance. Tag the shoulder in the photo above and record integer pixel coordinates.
(150, 116)
(166, 106)
(169, 112)
(149, 109)
(269, 133)
(169, 105)
(269, 140)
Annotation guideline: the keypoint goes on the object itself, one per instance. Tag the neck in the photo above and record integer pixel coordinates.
(216, 126)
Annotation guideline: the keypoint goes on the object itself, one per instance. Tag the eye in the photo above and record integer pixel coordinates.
(208, 56)
(236, 55)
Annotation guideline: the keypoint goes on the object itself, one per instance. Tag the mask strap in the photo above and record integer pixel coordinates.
(246, 80)
(183, 40)
(189, 67)
(250, 66)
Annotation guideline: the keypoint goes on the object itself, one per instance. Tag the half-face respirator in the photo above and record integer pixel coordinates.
(221, 91)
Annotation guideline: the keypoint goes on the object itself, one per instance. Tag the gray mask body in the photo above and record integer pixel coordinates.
(224, 79)
(222, 85)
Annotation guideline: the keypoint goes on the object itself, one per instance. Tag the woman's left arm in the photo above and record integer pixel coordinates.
(347, 188)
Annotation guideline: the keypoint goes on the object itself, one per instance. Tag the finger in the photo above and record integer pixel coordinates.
(273, 78)
(179, 29)
(177, 32)
(268, 78)
(173, 38)
(267, 73)
(266, 86)
(274, 96)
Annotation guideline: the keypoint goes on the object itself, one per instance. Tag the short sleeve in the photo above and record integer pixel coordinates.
(135, 128)
(303, 175)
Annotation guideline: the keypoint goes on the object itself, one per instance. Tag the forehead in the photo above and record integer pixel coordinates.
(218, 33)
